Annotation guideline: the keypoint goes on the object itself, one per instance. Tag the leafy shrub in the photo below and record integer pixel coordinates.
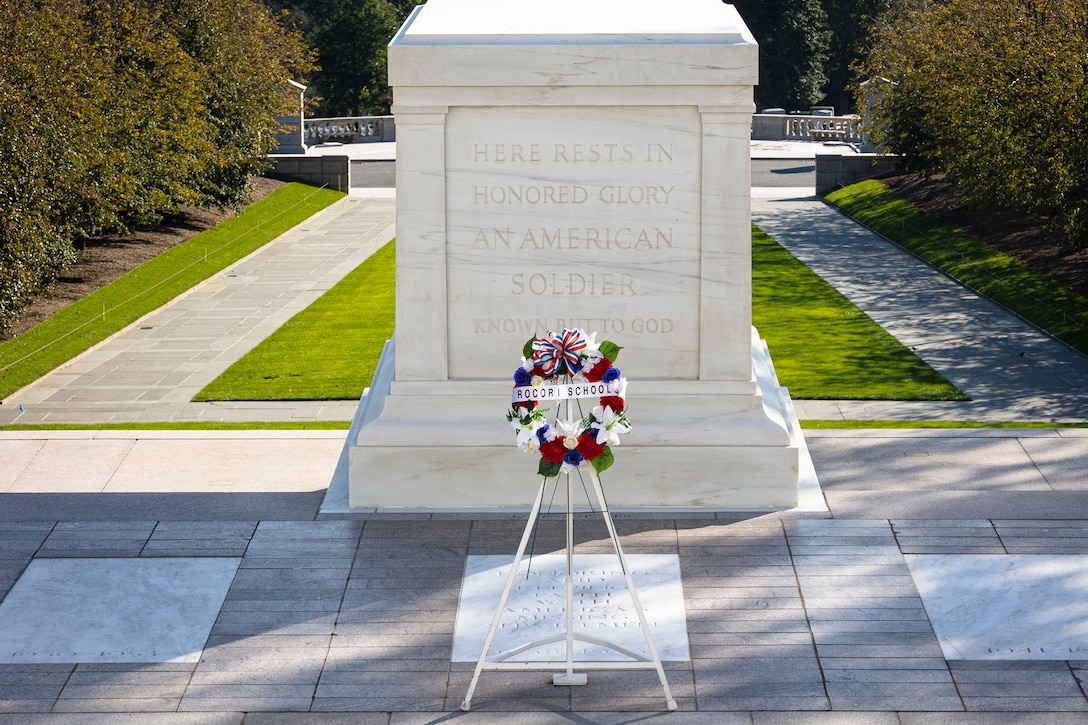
(116, 111)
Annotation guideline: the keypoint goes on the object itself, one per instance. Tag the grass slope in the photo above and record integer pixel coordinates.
(329, 351)
(1050, 305)
(823, 346)
(79, 326)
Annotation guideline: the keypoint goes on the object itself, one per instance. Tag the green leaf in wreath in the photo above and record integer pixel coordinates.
(603, 461)
(610, 350)
(548, 469)
(527, 349)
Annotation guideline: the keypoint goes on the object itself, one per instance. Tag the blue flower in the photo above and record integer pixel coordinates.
(522, 377)
(611, 375)
(573, 458)
(541, 433)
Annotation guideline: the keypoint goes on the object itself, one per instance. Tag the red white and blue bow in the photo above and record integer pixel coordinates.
(560, 353)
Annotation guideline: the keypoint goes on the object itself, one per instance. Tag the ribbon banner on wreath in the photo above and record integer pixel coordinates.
(564, 366)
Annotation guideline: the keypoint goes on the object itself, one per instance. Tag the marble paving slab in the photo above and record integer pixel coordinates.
(113, 610)
(1006, 607)
(603, 608)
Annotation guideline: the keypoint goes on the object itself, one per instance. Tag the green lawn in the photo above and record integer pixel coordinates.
(190, 425)
(822, 345)
(329, 351)
(1051, 306)
(79, 326)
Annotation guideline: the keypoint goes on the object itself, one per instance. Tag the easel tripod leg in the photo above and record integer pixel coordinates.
(569, 677)
(598, 491)
(467, 703)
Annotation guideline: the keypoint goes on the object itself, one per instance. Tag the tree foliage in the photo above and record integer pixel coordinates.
(851, 22)
(351, 38)
(113, 112)
(794, 39)
(995, 96)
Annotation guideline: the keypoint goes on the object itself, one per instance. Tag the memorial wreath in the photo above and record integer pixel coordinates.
(586, 369)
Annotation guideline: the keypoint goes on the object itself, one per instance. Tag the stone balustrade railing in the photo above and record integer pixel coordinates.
(796, 127)
(765, 127)
(349, 129)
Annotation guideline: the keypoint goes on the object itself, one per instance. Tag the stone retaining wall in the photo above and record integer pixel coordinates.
(331, 171)
(834, 171)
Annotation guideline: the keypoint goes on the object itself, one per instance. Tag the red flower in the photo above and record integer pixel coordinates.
(614, 402)
(588, 445)
(553, 451)
(528, 404)
(594, 374)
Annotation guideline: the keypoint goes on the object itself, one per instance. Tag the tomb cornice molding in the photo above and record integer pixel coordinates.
(435, 99)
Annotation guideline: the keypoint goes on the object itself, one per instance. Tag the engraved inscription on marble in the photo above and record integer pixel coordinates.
(602, 608)
(583, 217)
(113, 610)
(1012, 607)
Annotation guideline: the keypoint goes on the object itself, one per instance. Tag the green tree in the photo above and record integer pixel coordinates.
(43, 119)
(115, 111)
(148, 126)
(794, 38)
(245, 57)
(995, 96)
(351, 38)
(851, 22)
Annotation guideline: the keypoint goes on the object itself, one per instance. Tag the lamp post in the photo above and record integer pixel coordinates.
(301, 113)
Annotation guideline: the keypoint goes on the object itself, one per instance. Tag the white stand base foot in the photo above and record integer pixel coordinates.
(569, 679)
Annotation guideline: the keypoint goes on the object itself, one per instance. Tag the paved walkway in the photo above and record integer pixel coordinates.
(791, 617)
(151, 370)
(1009, 368)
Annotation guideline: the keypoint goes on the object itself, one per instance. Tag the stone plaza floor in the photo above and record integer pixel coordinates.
(869, 613)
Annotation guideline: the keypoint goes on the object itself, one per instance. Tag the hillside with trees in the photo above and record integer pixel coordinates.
(115, 112)
(994, 97)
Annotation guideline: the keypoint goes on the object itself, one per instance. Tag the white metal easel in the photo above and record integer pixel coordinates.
(635, 660)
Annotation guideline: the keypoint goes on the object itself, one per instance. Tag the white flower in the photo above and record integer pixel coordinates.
(591, 360)
(572, 429)
(525, 437)
(567, 468)
(610, 425)
(570, 443)
(618, 387)
(528, 442)
(537, 381)
(605, 416)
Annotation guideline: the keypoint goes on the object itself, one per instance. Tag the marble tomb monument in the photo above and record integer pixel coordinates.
(575, 163)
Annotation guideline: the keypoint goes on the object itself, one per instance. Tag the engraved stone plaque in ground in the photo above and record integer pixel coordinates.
(603, 607)
(572, 164)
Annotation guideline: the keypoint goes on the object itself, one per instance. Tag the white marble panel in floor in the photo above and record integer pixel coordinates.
(1006, 606)
(602, 607)
(113, 610)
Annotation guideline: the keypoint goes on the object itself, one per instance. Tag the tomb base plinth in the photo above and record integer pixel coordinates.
(443, 445)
